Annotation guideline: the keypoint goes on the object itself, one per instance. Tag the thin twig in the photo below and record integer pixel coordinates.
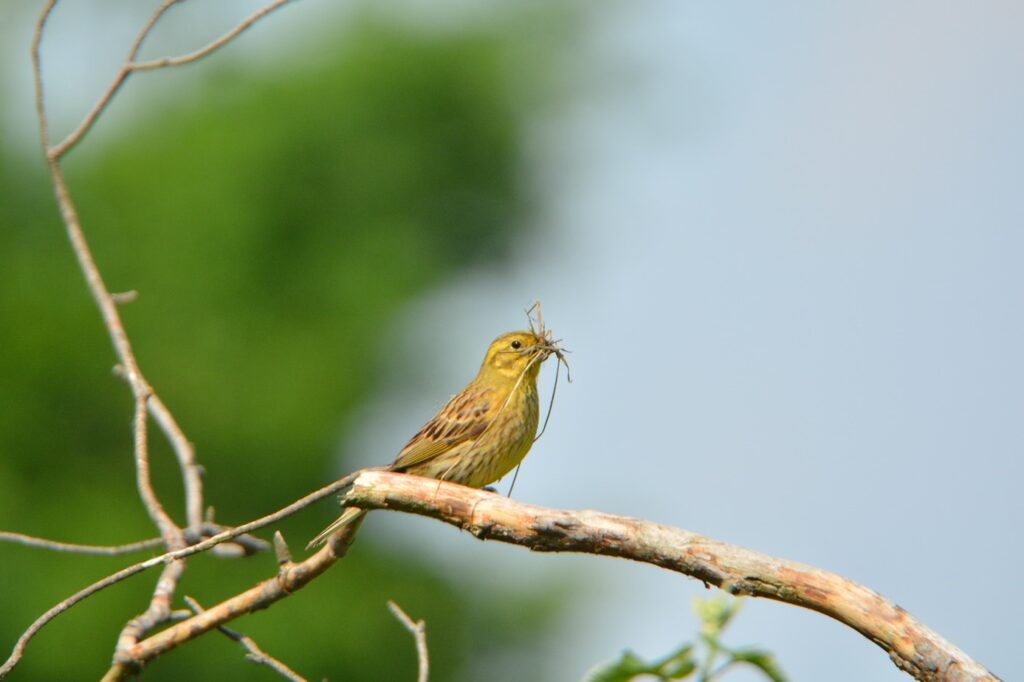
(256, 654)
(37, 76)
(130, 66)
(122, 75)
(107, 550)
(911, 645)
(168, 529)
(134, 569)
(133, 54)
(191, 471)
(419, 632)
(247, 544)
(157, 613)
(213, 46)
(186, 455)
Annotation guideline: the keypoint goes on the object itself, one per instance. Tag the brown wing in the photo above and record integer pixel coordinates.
(465, 417)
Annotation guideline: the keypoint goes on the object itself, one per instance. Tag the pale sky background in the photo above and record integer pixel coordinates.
(784, 243)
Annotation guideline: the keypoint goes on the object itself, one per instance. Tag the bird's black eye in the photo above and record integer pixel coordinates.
(517, 344)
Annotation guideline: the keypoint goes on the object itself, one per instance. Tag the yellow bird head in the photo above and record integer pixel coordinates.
(515, 355)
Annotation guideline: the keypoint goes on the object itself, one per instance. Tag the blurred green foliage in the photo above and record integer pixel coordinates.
(273, 228)
(685, 662)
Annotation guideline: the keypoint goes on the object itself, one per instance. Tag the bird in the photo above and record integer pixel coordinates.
(486, 429)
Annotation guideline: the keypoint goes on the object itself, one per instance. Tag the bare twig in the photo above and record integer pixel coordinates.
(244, 545)
(157, 613)
(913, 646)
(168, 529)
(134, 569)
(213, 46)
(122, 75)
(130, 65)
(290, 577)
(108, 550)
(256, 654)
(37, 75)
(419, 632)
(183, 450)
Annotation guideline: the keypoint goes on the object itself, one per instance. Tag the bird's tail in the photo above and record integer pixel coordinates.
(351, 515)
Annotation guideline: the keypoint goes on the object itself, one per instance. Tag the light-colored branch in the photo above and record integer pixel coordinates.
(255, 653)
(135, 569)
(107, 550)
(290, 577)
(419, 632)
(913, 647)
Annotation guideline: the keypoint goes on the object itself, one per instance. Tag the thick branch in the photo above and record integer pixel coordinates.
(914, 647)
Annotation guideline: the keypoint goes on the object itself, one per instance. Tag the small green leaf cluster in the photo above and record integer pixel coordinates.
(705, 661)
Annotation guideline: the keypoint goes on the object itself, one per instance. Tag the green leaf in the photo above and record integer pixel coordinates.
(679, 670)
(761, 660)
(676, 666)
(715, 613)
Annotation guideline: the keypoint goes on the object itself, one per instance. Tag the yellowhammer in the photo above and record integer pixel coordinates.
(485, 431)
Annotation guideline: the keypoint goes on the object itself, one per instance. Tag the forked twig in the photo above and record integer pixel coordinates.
(130, 65)
(419, 632)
